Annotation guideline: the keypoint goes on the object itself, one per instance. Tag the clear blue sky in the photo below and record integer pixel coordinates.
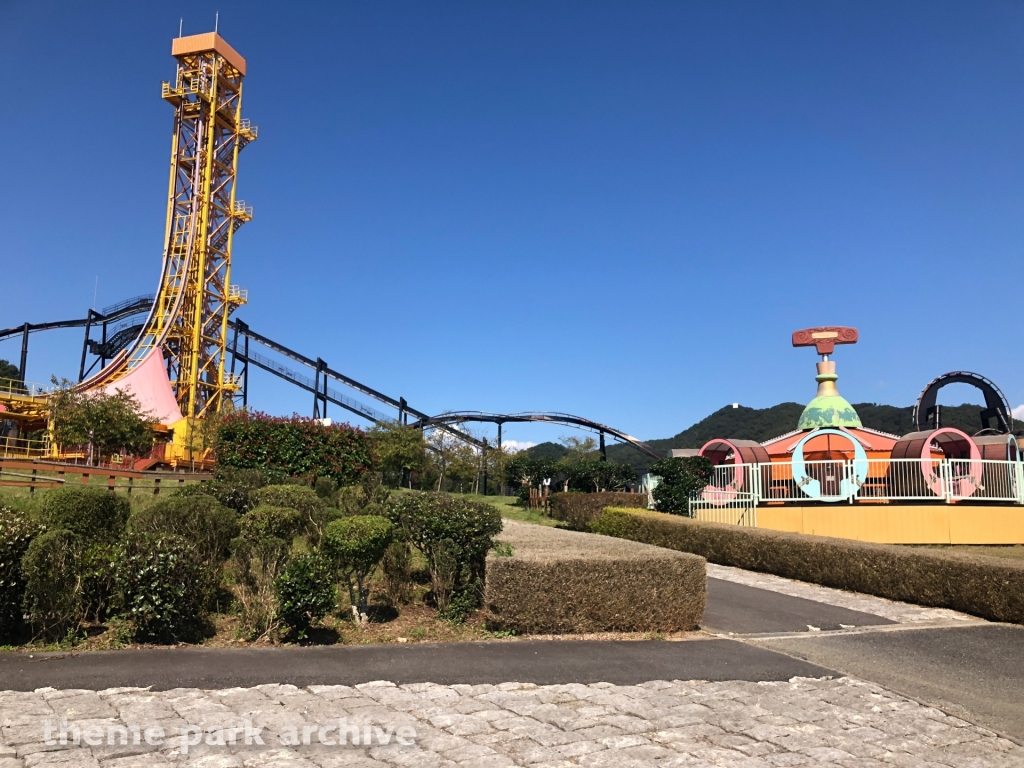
(619, 210)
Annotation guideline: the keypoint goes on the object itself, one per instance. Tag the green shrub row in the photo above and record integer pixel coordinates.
(295, 446)
(579, 510)
(990, 587)
(86, 555)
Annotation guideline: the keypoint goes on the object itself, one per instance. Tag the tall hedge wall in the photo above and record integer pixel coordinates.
(990, 587)
(297, 446)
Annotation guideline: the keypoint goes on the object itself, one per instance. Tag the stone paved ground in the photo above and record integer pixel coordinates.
(803, 722)
(901, 613)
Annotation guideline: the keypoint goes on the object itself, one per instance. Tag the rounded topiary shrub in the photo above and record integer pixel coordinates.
(305, 592)
(53, 584)
(95, 514)
(316, 513)
(16, 533)
(356, 545)
(200, 519)
(161, 588)
(266, 521)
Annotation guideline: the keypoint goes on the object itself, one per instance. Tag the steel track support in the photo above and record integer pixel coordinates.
(320, 390)
(85, 345)
(245, 376)
(24, 352)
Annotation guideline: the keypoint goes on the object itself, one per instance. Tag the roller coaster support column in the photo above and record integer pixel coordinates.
(85, 345)
(245, 376)
(604, 451)
(241, 327)
(320, 395)
(103, 347)
(502, 484)
(483, 456)
(403, 416)
(24, 353)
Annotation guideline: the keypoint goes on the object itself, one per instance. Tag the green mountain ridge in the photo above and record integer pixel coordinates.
(761, 424)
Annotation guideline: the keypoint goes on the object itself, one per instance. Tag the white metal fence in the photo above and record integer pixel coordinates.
(868, 480)
(741, 509)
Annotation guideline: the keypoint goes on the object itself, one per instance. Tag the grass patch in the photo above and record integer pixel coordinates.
(507, 506)
(1011, 551)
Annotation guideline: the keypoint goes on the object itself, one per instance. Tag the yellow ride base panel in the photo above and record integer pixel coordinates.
(899, 524)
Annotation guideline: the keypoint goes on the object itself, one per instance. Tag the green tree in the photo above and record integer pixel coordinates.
(105, 423)
(451, 458)
(578, 448)
(8, 373)
(398, 450)
(679, 479)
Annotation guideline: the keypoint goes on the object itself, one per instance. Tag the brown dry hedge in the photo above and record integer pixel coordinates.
(990, 587)
(579, 510)
(563, 582)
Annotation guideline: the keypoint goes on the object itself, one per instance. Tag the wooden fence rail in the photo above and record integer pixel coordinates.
(45, 474)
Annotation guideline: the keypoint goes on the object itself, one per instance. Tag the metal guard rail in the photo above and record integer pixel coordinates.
(866, 480)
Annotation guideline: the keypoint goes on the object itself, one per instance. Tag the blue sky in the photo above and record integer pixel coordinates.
(619, 210)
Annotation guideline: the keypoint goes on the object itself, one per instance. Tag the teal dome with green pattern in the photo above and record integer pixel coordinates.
(828, 408)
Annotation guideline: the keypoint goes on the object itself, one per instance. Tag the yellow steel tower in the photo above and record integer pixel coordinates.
(189, 319)
(202, 217)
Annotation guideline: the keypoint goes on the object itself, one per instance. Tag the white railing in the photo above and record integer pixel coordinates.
(741, 509)
(866, 480)
(14, 388)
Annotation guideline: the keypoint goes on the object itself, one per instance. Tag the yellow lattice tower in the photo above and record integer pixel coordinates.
(189, 319)
(202, 217)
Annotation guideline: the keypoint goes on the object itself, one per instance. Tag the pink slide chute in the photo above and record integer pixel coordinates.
(149, 383)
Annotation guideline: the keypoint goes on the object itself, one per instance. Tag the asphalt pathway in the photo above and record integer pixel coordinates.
(739, 609)
(544, 662)
(975, 672)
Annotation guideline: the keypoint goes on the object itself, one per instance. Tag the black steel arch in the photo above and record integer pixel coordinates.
(996, 403)
(552, 417)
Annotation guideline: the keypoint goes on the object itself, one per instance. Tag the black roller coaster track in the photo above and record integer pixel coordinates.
(243, 355)
(461, 417)
(133, 306)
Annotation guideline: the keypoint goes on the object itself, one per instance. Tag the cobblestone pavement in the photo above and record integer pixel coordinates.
(901, 613)
(803, 722)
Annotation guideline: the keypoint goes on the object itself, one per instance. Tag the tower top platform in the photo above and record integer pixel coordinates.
(208, 41)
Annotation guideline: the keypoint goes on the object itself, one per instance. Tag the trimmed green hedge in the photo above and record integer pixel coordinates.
(990, 587)
(566, 582)
(296, 446)
(579, 510)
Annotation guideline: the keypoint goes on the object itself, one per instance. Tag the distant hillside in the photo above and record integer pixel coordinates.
(763, 424)
(553, 451)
